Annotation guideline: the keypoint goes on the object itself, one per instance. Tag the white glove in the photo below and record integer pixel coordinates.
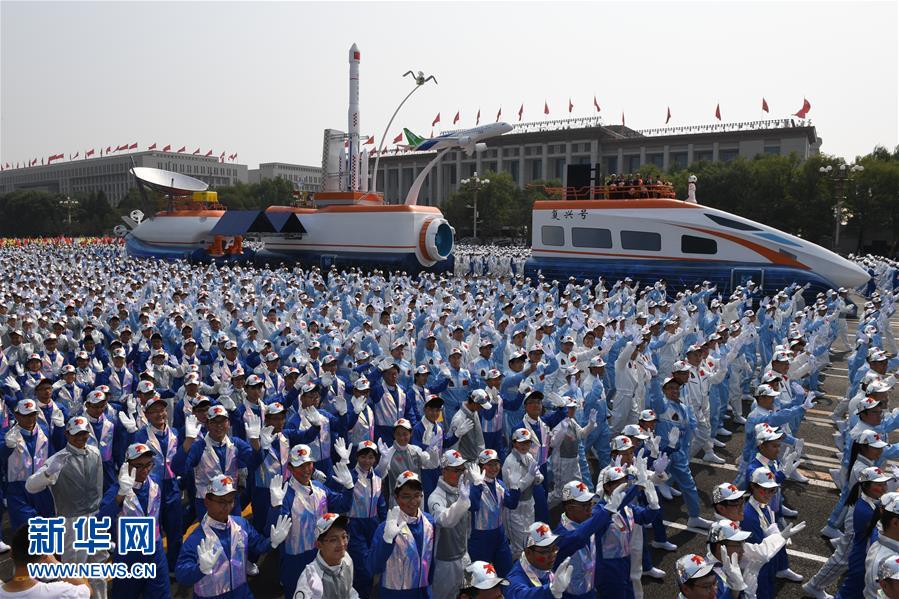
(474, 474)
(126, 481)
(267, 437)
(523, 386)
(464, 491)
(798, 447)
(208, 554)
(392, 525)
(253, 425)
(655, 446)
(562, 578)
(359, 404)
(55, 463)
(592, 416)
(340, 404)
(277, 488)
(191, 427)
(790, 463)
(12, 383)
(652, 497)
(280, 530)
(790, 530)
(673, 437)
(128, 422)
(14, 438)
(56, 418)
(327, 379)
(342, 475)
(640, 471)
(809, 402)
(342, 449)
(226, 401)
(319, 476)
(733, 576)
(58, 384)
(463, 428)
(96, 365)
(661, 464)
(616, 498)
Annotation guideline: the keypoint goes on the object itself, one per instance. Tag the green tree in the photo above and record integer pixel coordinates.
(499, 206)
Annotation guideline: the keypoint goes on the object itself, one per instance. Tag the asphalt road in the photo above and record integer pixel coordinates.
(808, 550)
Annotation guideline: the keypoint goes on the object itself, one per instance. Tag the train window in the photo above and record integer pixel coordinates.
(730, 223)
(698, 245)
(641, 240)
(552, 235)
(586, 237)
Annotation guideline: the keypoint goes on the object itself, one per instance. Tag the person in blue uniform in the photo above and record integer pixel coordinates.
(488, 540)
(480, 581)
(213, 559)
(136, 494)
(532, 576)
(27, 449)
(305, 501)
(368, 510)
(403, 546)
(696, 578)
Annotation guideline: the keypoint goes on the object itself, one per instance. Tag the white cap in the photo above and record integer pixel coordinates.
(577, 491)
(521, 435)
(300, 454)
(403, 423)
(648, 415)
(766, 391)
(764, 432)
(890, 502)
(366, 444)
(634, 430)
(77, 424)
(482, 576)
(217, 411)
(406, 477)
(597, 362)
(889, 568)
(612, 473)
(868, 403)
(480, 397)
(95, 396)
(680, 366)
(487, 455)
(324, 524)
(362, 384)
(135, 450)
(26, 406)
(221, 484)
(451, 458)
(726, 492)
(726, 530)
(873, 474)
(871, 438)
(764, 477)
(146, 387)
(622, 443)
(540, 535)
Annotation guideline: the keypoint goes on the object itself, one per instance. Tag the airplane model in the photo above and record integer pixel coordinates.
(470, 140)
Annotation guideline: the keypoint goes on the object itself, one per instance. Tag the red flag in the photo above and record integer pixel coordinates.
(499, 113)
(197, 151)
(108, 149)
(153, 147)
(75, 156)
(570, 106)
(478, 121)
(208, 154)
(398, 139)
(89, 153)
(183, 149)
(595, 103)
(51, 158)
(806, 106)
(370, 140)
(133, 146)
(668, 118)
(546, 107)
(436, 120)
(222, 157)
(33, 162)
(120, 148)
(235, 157)
(718, 111)
(520, 112)
(764, 105)
(456, 118)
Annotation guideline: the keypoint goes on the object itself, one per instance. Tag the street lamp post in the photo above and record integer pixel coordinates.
(69, 204)
(475, 184)
(840, 176)
(420, 80)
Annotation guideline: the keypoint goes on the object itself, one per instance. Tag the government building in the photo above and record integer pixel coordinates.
(110, 174)
(543, 150)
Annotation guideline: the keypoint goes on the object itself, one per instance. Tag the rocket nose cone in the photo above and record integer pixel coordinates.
(354, 53)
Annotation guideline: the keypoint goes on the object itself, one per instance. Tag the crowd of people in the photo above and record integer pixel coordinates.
(433, 436)
(490, 260)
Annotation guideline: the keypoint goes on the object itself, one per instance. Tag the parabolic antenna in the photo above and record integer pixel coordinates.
(168, 182)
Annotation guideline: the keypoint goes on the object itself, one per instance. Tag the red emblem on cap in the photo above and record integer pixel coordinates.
(302, 451)
(697, 559)
(542, 530)
(581, 487)
(732, 488)
(227, 480)
(489, 569)
(734, 525)
(456, 454)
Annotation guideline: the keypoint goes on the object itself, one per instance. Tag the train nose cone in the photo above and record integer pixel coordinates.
(852, 275)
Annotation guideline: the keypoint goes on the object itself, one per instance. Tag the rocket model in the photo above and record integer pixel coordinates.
(353, 178)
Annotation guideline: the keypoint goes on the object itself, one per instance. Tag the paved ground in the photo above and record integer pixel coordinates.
(814, 502)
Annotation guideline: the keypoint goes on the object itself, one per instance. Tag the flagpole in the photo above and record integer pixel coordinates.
(420, 80)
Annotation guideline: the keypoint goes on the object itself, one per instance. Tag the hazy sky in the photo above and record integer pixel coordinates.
(264, 79)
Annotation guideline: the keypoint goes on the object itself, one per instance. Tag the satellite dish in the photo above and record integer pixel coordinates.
(168, 182)
(120, 231)
(137, 216)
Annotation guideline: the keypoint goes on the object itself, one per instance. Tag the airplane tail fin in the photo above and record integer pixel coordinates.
(413, 139)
